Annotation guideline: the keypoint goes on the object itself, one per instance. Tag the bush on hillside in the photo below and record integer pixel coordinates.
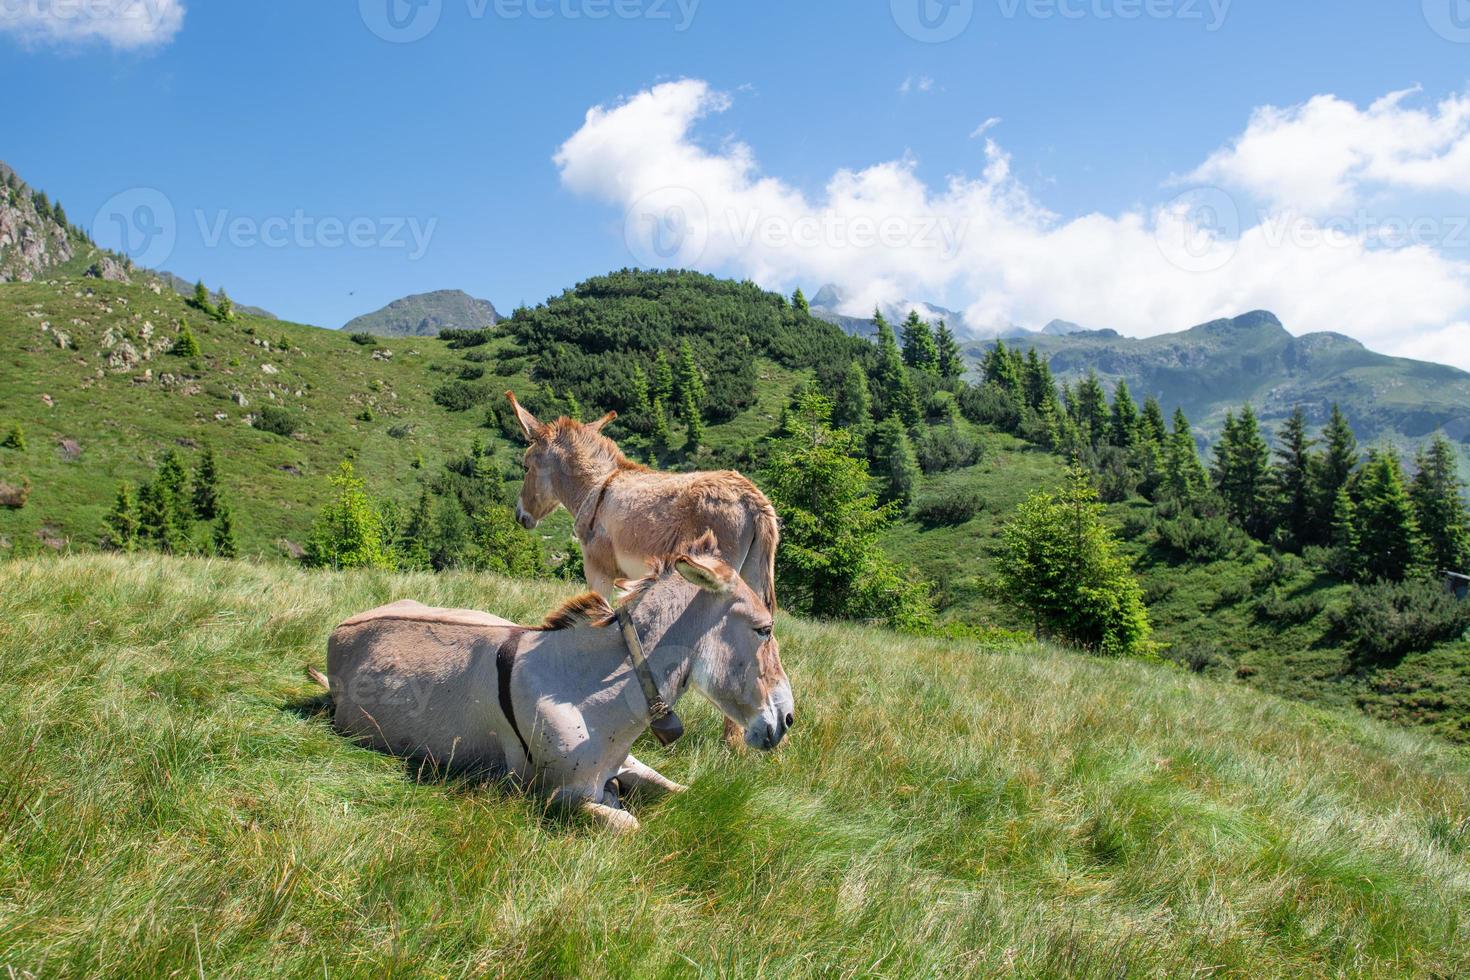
(350, 531)
(944, 447)
(1059, 564)
(1192, 536)
(363, 339)
(460, 396)
(1386, 621)
(947, 506)
(276, 420)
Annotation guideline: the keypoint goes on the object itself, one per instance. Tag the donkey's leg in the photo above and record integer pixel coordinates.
(641, 779)
(583, 803)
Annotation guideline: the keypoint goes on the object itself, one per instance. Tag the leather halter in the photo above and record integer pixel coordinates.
(664, 724)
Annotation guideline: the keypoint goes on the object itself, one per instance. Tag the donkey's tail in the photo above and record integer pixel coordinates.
(320, 678)
(762, 557)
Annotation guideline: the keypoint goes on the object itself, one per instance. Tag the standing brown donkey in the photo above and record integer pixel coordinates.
(627, 513)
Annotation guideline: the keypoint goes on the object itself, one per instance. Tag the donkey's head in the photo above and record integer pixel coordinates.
(555, 450)
(736, 659)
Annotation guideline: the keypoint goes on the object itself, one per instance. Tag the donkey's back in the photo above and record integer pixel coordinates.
(418, 682)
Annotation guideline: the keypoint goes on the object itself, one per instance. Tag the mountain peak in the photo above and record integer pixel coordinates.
(828, 296)
(426, 314)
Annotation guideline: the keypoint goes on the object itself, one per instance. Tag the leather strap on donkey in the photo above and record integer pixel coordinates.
(664, 724)
(505, 661)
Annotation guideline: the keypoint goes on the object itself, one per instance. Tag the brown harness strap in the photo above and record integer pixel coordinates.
(505, 661)
(664, 724)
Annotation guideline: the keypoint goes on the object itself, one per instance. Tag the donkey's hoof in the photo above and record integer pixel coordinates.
(617, 821)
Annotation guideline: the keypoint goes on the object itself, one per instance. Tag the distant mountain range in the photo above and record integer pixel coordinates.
(425, 314)
(1219, 366)
(828, 303)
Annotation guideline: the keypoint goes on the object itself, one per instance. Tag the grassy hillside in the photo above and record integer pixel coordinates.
(170, 804)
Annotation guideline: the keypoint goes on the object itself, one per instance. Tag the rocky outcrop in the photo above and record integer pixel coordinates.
(30, 245)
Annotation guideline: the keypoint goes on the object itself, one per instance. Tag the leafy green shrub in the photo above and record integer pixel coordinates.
(363, 339)
(944, 447)
(1059, 564)
(947, 506)
(15, 439)
(1387, 620)
(1193, 537)
(401, 431)
(462, 339)
(185, 345)
(1276, 607)
(349, 532)
(276, 420)
(471, 372)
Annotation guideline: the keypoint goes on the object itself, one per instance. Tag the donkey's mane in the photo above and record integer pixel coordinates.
(587, 442)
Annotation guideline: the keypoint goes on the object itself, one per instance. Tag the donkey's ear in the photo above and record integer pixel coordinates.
(708, 576)
(597, 426)
(530, 425)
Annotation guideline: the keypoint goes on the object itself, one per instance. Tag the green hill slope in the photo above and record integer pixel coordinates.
(170, 804)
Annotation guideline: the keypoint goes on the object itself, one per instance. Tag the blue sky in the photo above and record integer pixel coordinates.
(1105, 111)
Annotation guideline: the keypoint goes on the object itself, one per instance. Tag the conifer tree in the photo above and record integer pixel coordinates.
(1184, 474)
(1037, 381)
(659, 430)
(951, 360)
(1388, 533)
(1293, 483)
(852, 407)
(1090, 411)
(799, 303)
(662, 388)
(415, 546)
(894, 463)
(1347, 561)
(451, 544)
(1151, 427)
(206, 486)
(201, 298)
(122, 521)
(638, 397)
(1439, 507)
(225, 307)
(1243, 472)
(226, 544)
(1335, 466)
(688, 380)
(1123, 426)
(892, 389)
(920, 352)
(185, 345)
(349, 532)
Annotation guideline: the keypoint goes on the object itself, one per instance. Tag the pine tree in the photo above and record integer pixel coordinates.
(185, 345)
(122, 521)
(1036, 380)
(1184, 474)
(951, 360)
(799, 303)
(1334, 467)
(1347, 560)
(1439, 507)
(1090, 411)
(1000, 368)
(892, 388)
(894, 463)
(226, 545)
(1388, 532)
(1243, 472)
(920, 352)
(693, 421)
(688, 380)
(452, 547)
(639, 401)
(206, 486)
(659, 430)
(1123, 427)
(1152, 427)
(663, 380)
(224, 307)
(852, 407)
(1293, 484)
(158, 524)
(201, 298)
(15, 439)
(415, 545)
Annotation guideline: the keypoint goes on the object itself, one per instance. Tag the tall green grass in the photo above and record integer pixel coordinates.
(170, 805)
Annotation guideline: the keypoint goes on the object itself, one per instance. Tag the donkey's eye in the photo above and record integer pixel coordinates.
(764, 630)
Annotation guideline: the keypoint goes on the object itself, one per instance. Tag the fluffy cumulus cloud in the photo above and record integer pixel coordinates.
(120, 23)
(1265, 233)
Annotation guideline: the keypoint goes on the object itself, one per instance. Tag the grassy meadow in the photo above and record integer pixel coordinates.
(173, 803)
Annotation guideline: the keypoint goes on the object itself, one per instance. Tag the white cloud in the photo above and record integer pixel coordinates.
(119, 23)
(916, 83)
(1328, 155)
(984, 244)
(985, 127)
